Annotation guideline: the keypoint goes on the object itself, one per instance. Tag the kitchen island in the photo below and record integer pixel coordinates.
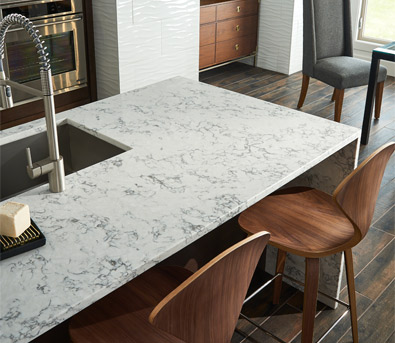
(196, 157)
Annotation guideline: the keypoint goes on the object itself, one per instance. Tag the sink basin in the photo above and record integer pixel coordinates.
(78, 148)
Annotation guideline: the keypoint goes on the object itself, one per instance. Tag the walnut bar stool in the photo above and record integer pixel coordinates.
(172, 305)
(310, 223)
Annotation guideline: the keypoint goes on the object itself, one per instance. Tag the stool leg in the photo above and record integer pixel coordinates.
(310, 298)
(303, 91)
(351, 294)
(281, 256)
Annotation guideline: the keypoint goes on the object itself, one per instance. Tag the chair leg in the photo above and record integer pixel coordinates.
(310, 298)
(303, 91)
(281, 256)
(339, 104)
(379, 98)
(351, 294)
(334, 95)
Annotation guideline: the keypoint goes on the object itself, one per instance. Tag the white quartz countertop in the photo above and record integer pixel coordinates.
(200, 155)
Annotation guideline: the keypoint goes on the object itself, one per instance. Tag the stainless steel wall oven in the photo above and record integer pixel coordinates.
(61, 24)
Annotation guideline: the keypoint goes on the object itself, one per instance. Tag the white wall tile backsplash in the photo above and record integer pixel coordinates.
(139, 42)
(178, 33)
(151, 10)
(152, 40)
(280, 36)
(106, 47)
(296, 55)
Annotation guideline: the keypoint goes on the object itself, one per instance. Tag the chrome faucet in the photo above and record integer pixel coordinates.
(53, 165)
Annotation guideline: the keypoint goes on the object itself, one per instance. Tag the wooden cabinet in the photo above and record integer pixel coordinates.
(228, 30)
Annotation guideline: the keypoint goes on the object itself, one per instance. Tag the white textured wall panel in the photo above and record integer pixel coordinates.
(124, 12)
(155, 40)
(161, 41)
(106, 47)
(296, 57)
(139, 42)
(280, 29)
(275, 29)
(153, 70)
(151, 10)
(180, 33)
(185, 64)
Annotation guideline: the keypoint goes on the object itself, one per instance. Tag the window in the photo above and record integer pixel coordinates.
(377, 23)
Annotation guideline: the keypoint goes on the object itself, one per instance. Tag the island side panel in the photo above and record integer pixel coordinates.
(325, 176)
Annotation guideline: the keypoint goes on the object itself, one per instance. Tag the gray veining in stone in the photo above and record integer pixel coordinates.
(200, 155)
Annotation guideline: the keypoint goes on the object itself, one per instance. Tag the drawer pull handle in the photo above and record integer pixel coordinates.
(238, 9)
(237, 27)
(236, 46)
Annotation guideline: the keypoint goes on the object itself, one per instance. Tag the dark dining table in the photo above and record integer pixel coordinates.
(385, 52)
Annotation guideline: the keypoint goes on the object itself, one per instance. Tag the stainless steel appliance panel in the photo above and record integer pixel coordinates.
(41, 8)
(65, 42)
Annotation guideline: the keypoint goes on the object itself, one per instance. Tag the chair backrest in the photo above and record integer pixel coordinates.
(327, 31)
(357, 194)
(206, 307)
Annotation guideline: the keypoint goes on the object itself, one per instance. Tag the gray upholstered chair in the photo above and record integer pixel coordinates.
(328, 52)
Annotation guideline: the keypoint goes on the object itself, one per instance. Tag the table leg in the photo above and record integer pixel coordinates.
(367, 117)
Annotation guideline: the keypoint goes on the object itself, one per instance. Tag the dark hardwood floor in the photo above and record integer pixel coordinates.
(373, 257)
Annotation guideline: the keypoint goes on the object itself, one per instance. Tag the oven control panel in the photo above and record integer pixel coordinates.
(42, 9)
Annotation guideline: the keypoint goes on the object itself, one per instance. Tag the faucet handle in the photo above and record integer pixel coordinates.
(29, 158)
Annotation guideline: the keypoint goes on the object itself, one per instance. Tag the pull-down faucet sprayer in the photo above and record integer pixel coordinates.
(53, 165)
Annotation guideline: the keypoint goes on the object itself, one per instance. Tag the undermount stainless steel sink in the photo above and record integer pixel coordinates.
(78, 148)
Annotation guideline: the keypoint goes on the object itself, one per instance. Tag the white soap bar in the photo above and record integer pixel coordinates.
(14, 219)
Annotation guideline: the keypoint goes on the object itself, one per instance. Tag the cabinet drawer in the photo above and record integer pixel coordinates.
(237, 9)
(234, 28)
(206, 56)
(207, 34)
(207, 14)
(234, 48)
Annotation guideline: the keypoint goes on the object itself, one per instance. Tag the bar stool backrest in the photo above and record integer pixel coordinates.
(206, 307)
(357, 194)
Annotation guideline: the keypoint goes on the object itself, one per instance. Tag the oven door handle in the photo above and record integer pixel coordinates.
(50, 24)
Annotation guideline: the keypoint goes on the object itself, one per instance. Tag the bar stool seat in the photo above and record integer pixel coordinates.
(303, 221)
(310, 223)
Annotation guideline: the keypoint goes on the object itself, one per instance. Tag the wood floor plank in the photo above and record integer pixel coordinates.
(391, 339)
(351, 105)
(385, 200)
(376, 325)
(216, 74)
(261, 307)
(252, 339)
(289, 97)
(328, 316)
(234, 75)
(374, 242)
(286, 324)
(296, 301)
(391, 125)
(380, 137)
(387, 222)
(263, 86)
(318, 100)
(378, 274)
(249, 82)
